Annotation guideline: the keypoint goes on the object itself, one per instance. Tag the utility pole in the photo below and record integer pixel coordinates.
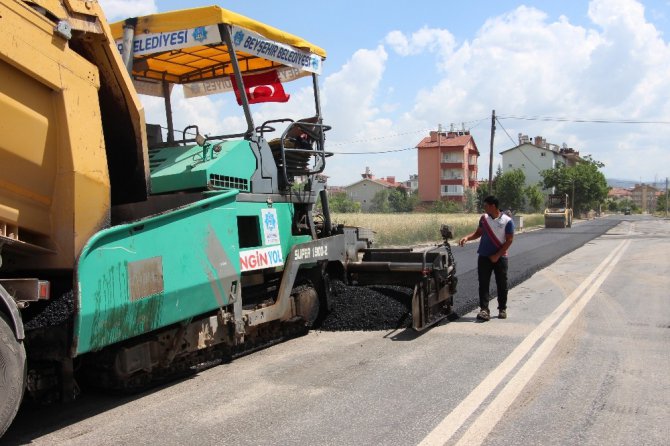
(493, 134)
(666, 197)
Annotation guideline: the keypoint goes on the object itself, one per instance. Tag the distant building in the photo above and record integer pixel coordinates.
(365, 189)
(645, 197)
(447, 165)
(536, 156)
(413, 183)
(332, 190)
(619, 193)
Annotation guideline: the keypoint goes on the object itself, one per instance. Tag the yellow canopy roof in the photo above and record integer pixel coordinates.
(186, 46)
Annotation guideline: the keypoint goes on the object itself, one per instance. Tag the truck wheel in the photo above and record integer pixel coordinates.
(12, 374)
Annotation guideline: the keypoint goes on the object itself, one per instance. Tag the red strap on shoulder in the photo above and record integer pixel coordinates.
(490, 233)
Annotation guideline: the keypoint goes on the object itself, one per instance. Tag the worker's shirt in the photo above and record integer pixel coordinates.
(493, 233)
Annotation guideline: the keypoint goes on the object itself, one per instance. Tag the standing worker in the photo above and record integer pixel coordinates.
(497, 233)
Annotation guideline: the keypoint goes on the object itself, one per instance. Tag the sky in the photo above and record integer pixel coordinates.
(394, 72)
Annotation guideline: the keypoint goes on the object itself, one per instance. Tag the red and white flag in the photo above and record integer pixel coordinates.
(263, 87)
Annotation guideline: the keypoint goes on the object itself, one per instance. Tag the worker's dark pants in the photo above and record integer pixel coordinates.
(484, 269)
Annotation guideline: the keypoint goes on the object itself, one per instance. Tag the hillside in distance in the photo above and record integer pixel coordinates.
(629, 184)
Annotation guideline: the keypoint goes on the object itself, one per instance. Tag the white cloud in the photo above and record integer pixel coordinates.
(425, 39)
(121, 9)
(520, 63)
(349, 97)
(350, 94)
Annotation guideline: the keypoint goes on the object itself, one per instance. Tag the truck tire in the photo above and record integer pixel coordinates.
(12, 374)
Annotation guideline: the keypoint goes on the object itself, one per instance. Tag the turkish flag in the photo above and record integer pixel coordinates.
(263, 87)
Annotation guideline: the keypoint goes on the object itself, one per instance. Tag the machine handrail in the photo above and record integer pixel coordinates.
(318, 153)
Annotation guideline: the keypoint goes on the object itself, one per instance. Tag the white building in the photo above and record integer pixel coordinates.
(413, 182)
(534, 157)
(364, 190)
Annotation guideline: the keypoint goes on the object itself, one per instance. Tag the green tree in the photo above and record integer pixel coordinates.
(661, 202)
(628, 203)
(412, 200)
(482, 192)
(612, 205)
(402, 200)
(397, 199)
(494, 181)
(589, 184)
(380, 202)
(470, 204)
(340, 202)
(445, 207)
(510, 189)
(534, 197)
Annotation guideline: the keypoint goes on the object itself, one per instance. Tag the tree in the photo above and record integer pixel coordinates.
(510, 189)
(402, 200)
(470, 204)
(494, 181)
(482, 192)
(445, 207)
(396, 199)
(340, 202)
(589, 184)
(628, 203)
(612, 205)
(535, 198)
(380, 202)
(661, 202)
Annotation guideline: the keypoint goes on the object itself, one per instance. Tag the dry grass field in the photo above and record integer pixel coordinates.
(413, 229)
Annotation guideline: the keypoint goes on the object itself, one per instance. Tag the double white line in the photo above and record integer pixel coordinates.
(487, 420)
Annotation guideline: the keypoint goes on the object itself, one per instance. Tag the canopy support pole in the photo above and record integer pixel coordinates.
(317, 96)
(168, 111)
(225, 30)
(128, 39)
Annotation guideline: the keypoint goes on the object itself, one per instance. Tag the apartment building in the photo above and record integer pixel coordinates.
(447, 165)
(645, 197)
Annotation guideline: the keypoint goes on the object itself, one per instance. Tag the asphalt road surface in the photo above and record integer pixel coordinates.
(582, 359)
(530, 252)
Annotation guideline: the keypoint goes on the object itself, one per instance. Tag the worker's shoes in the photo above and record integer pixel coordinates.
(502, 314)
(484, 315)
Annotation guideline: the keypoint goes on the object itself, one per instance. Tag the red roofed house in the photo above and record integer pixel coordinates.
(619, 193)
(364, 190)
(447, 165)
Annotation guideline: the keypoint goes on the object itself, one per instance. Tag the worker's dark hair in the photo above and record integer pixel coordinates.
(492, 200)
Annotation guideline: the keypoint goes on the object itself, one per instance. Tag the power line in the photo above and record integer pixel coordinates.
(374, 152)
(577, 120)
(353, 153)
(378, 138)
(504, 130)
(476, 122)
(519, 146)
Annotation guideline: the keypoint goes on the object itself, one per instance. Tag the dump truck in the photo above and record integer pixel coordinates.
(558, 213)
(133, 253)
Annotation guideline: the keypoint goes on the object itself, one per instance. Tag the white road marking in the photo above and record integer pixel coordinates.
(483, 424)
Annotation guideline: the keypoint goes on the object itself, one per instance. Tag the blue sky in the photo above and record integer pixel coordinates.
(396, 71)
